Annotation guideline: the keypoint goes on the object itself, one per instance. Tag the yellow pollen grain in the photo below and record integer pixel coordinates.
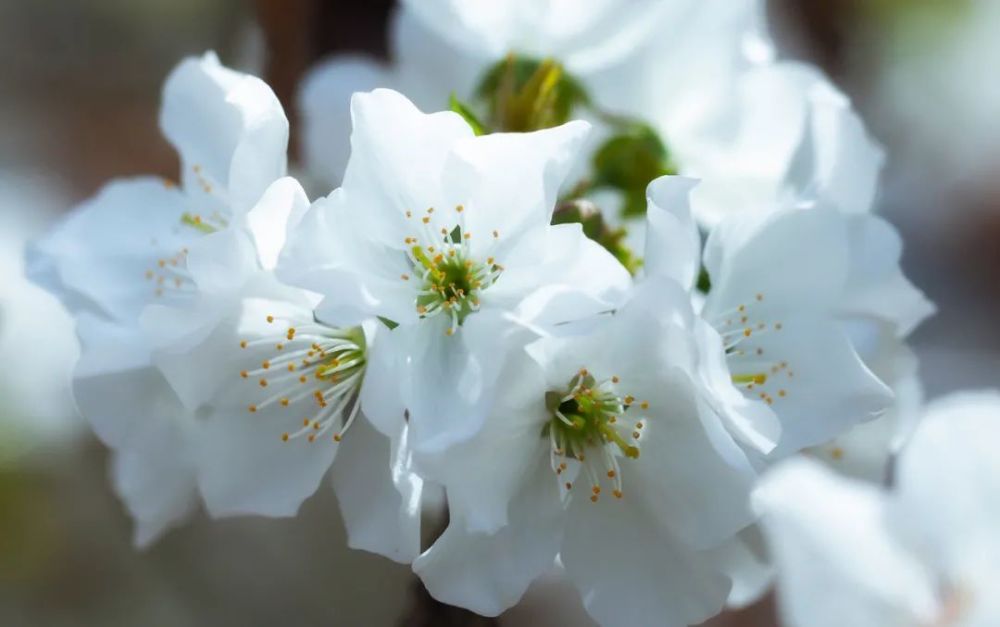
(291, 367)
(284, 437)
(629, 399)
(426, 220)
(781, 393)
(270, 319)
(305, 422)
(312, 437)
(617, 493)
(252, 409)
(596, 489)
(243, 344)
(837, 453)
(284, 402)
(644, 405)
(337, 437)
(244, 374)
(460, 208)
(265, 364)
(593, 498)
(615, 379)
(263, 383)
(611, 474)
(760, 297)
(747, 331)
(467, 236)
(303, 379)
(279, 347)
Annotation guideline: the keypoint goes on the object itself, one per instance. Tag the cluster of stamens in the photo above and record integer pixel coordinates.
(451, 280)
(170, 275)
(315, 372)
(593, 425)
(754, 372)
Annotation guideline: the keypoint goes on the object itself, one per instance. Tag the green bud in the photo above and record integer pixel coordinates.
(629, 161)
(526, 94)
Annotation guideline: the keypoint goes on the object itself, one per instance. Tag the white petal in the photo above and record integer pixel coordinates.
(690, 474)
(223, 261)
(245, 468)
(278, 211)
(328, 253)
(324, 102)
(99, 256)
(795, 259)
(134, 411)
(744, 558)
(753, 424)
(482, 475)
(559, 257)
(508, 182)
(488, 573)
(817, 385)
(876, 286)
(378, 493)
(837, 562)
(946, 512)
(673, 245)
(837, 162)
(398, 154)
(630, 571)
(450, 381)
(227, 124)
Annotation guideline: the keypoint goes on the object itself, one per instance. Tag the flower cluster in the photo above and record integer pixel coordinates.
(594, 330)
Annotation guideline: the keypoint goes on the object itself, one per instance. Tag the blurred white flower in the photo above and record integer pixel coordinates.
(755, 130)
(600, 448)
(445, 237)
(146, 241)
(36, 334)
(923, 552)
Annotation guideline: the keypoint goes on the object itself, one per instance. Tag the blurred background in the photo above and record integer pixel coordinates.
(79, 95)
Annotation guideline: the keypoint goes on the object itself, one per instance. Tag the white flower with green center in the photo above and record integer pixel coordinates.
(784, 288)
(146, 243)
(601, 449)
(923, 552)
(289, 409)
(446, 238)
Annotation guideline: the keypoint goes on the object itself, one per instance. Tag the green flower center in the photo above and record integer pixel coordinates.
(591, 427)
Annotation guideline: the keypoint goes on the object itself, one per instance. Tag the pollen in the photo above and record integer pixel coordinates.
(270, 319)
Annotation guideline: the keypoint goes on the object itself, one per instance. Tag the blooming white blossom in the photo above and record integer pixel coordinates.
(147, 241)
(446, 238)
(601, 449)
(784, 287)
(756, 131)
(922, 552)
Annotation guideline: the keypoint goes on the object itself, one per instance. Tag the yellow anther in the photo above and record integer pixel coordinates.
(644, 405)
(270, 319)
(243, 344)
(284, 437)
(252, 408)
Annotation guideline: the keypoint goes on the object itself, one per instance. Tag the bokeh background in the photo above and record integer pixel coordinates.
(79, 92)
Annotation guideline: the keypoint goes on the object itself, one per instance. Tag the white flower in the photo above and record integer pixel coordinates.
(446, 235)
(600, 448)
(924, 552)
(783, 286)
(146, 241)
(756, 131)
(288, 407)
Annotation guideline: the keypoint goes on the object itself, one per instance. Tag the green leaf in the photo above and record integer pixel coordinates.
(463, 110)
(389, 323)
